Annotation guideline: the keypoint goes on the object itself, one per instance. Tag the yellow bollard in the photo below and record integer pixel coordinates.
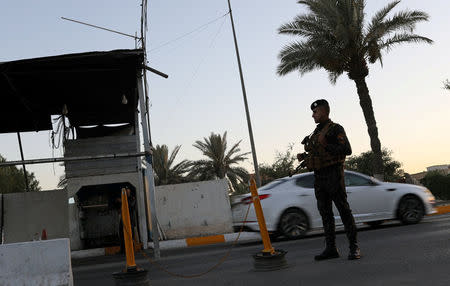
(261, 221)
(132, 275)
(129, 250)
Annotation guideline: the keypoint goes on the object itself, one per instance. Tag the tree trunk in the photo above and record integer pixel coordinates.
(366, 104)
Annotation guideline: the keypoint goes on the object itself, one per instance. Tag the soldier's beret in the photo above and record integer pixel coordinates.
(319, 102)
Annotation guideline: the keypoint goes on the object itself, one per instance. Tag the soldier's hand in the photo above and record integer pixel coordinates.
(300, 157)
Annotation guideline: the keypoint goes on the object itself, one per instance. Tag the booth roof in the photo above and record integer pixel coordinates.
(91, 85)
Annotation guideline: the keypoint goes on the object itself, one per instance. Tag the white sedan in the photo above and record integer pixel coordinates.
(290, 207)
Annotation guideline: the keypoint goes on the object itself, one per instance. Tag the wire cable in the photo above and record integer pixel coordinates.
(188, 33)
(221, 261)
(200, 63)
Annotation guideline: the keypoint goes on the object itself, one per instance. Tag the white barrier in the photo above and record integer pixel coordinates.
(36, 263)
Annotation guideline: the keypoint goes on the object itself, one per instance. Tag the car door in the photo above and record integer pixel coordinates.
(368, 200)
(308, 198)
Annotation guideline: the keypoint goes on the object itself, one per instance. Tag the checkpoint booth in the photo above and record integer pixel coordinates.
(94, 97)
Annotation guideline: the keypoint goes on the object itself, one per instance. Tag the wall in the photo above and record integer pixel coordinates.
(1, 218)
(36, 263)
(194, 209)
(27, 214)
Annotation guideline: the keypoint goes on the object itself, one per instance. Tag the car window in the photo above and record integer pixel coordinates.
(273, 184)
(352, 180)
(305, 181)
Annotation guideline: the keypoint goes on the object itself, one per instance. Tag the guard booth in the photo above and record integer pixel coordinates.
(94, 97)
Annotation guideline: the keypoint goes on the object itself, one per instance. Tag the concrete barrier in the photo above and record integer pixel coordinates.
(27, 214)
(194, 209)
(1, 218)
(36, 263)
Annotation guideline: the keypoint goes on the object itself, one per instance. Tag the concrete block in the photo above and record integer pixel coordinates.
(1, 218)
(34, 263)
(194, 209)
(27, 214)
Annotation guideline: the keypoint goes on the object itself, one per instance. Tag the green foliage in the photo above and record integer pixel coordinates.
(220, 162)
(281, 167)
(438, 184)
(335, 37)
(363, 163)
(241, 188)
(12, 180)
(165, 171)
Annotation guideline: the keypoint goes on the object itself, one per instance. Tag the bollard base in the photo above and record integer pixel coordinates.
(270, 262)
(136, 277)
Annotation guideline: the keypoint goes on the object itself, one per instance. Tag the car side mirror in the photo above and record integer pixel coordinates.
(373, 183)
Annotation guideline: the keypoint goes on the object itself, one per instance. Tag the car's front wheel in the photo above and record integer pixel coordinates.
(410, 210)
(293, 223)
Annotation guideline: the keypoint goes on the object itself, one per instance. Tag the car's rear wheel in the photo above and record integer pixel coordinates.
(293, 224)
(411, 210)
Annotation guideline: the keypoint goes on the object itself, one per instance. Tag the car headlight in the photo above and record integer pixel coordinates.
(428, 192)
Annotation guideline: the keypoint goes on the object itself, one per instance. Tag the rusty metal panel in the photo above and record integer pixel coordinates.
(100, 146)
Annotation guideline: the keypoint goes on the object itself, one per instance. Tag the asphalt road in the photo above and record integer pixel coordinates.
(393, 254)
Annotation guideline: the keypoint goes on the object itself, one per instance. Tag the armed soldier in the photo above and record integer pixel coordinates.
(326, 149)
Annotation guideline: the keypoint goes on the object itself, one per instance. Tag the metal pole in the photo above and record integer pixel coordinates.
(98, 27)
(141, 196)
(23, 165)
(71, 159)
(252, 142)
(149, 169)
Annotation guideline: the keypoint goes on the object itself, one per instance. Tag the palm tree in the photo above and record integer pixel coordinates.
(165, 172)
(336, 38)
(220, 161)
(447, 84)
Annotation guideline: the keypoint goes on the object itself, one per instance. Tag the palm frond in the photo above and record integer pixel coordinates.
(165, 172)
(333, 76)
(297, 56)
(173, 154)
(304, 25)
(219, 160)
(374, 28)
(235, 149)
(324, 10)
(404, 38)
(404, 21)
(447, 84)
(181, 167)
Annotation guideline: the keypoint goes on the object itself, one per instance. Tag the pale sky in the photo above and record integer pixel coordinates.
(203, 92)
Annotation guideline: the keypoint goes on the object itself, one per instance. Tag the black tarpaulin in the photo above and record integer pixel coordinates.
(91, 85)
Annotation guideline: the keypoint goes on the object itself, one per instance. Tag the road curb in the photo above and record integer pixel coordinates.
(227, 238)
(442, 209)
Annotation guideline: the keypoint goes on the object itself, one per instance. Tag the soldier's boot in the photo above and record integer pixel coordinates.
(355, 252)
(329, 253)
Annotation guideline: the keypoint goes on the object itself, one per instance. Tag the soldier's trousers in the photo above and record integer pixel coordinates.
(329, 187)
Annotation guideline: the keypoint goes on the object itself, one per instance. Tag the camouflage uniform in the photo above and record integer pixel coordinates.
(327, 164)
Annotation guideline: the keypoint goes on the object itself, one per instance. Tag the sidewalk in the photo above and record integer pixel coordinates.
(442, 207)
